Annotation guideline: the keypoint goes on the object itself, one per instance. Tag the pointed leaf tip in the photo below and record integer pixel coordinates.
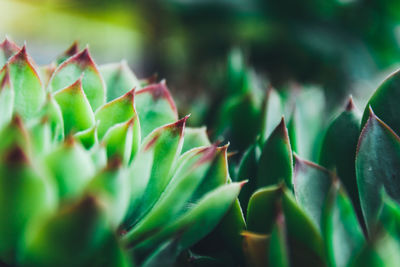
(73, 49)
(350, 104)
(371, 112)
(16, 155)
(83, 58)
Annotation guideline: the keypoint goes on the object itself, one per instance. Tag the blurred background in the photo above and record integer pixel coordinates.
(340, 46)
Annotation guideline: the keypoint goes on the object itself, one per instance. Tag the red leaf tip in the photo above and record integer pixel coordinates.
(83, 58)
(350, 104)
(242, 183)
(6, 78)
(72, 50)
(16, 155)
(9, 47)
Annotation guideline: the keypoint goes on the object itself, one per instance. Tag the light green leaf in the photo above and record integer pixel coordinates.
(26, 194)
(155, 107)
(71, 167)
(195, 137)
(29, 92)
(6, 97)
(119, 79)
(119, 110)
(151, 170)
(76, 111)
(92, 82)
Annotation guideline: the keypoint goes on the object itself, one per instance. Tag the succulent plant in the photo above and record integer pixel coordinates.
(95, 169)
(342, 210)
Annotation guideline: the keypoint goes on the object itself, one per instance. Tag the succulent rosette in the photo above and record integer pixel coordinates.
(96, 168)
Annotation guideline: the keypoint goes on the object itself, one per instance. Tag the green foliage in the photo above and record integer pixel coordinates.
(85, 182)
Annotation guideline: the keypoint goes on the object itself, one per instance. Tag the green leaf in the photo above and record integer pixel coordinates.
(7, 49)
(195, 137)
(305, 242)
(278, 254)
(338, 150)
(377, 162)
(292, 131)
(236, 71)
(151, 170)
(340, 228)
(88, 137)
(26, 194)
(122, 140)
(155, 107)
(311, 186)
(119, 79)
(199, 220)
(73, 68)
(82, 228)
(272, 112)
(76, 111)
(384, 102)
(248, 170)
(111, 187)
(276, 163)
(119, 110)
(29, 93)
(174, 200)
(6, 97)
(262, 209)
(40, 133)
(51, 110)
(71, 167)
(165, 255)
(15, 134)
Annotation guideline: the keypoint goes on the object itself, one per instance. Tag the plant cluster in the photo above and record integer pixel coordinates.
(96, 169)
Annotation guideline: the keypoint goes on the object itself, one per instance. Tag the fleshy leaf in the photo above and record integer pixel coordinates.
(76, 111)
(15, 134)
(155, 107)
(110, 185)
(6, 97)
(198, 221)
(183, 184)
(26, 194)
(195, 137)
(276, 163)
(40, 133)
(119, 110)
(262, 209)
(338, 150)
(292, 131)
(119, 79)
(272, 112)
(122, 140)
(278, 254)
(152, 168)
(304, 240)
(7, 49)
(92, 82)
(71, 181)
(88, 137)
(342, 233)
(377, 162)
(384, 102)
(29, 94)
(248, 169)
(82, 228)
(311, 186)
